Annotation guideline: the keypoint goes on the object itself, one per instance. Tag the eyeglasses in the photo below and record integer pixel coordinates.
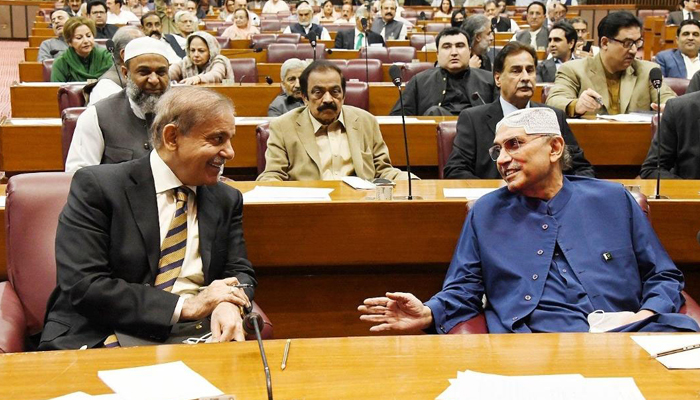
(627, 43)
(318, 93)
(512, 146)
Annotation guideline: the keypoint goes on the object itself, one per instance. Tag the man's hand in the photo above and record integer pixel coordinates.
(220, 291)
(395, 312)
(227, 323)
(655, 107)
(195, 80)
(475, 62)
(587, 102)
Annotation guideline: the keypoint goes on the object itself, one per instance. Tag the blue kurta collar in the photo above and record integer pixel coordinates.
(552, 207)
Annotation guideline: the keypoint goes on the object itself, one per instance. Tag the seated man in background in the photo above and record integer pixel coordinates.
(304, 15)
(515, 76)
(478, 29)
(680, 142)
(556, 11)
(115, 129)
(326, 140)
(52, 48)
(387, 25)
(581, 27)
(143, 245)
(687, 12)
(357, 38)
(613, 82)
(113, 81)
(503, 24)
(187, 23)
(562, 44)
(166, 9)
(275, 6)
(346, 16)
(290, 98)
(523, 247)
(450, 87)
(538, 34)
(97, 11)
(682, 62)
(118, 15)
(151, 26)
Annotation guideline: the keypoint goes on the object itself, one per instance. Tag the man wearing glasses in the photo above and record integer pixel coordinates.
(549, 252)
(326, 140)
(612, 82)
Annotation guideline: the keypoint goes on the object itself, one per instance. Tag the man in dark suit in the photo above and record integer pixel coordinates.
(515, 74)
(356, 38)
(562, 43)
(537, 36)
(680, 143)
(687, 12)
(451, 86)
(673, 62)
(146, 244)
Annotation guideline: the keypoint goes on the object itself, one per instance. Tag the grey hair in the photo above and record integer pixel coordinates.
(180, 14)
(176, 107)
(292, 63)
(487, 2)
(566, 161)
(473, 26)
(122, 37)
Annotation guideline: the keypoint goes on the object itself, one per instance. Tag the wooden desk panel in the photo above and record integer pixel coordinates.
(31, 71)
(31, 53)
(405, 367)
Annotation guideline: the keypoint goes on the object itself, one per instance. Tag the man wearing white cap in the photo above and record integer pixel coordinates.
(547, 251)
(116, 129)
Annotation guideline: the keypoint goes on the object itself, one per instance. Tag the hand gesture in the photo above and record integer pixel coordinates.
(588, 101)
(220, 291)
(227, 323)
(475, 62)
(395, 312)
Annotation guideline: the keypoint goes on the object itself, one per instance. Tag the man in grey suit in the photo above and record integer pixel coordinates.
(674, 63)
(538, 34)
(562, 43)
(687, 12)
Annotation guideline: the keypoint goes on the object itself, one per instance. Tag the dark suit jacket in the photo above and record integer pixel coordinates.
(672, 64)
(676, 17)
(694, 84)
(345, 39)
(542, 40)
(427, 89)
(546, 71)
(680, 142)
(107, 250)
(476, 129)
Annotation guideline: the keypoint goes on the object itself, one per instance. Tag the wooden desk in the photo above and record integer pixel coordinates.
(401, 367)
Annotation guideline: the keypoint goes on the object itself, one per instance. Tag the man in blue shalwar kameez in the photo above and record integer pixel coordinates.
(547, 250)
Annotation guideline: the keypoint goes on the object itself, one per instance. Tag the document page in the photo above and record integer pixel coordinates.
(277, 194)
(655, 344)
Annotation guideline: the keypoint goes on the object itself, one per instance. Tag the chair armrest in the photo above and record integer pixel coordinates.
(266, 331)
(690, 308)
(13, 325)
(474, 325)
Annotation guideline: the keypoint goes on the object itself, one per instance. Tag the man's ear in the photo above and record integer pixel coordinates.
(604, 42)
(124, 70)
(497, 79)
(557, 151)
(170, 135)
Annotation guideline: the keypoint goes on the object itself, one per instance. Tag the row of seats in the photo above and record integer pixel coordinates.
(264, 40)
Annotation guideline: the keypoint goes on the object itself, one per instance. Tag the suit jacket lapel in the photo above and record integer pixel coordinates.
(494, 114)
(629, 79)
(680, 63)
(307, 136)
(142, 201)
(600, 84)
(354, 135)
(208, 222)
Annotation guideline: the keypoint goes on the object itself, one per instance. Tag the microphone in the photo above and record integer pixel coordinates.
(477, 96)
(110, 49)
(251, 325)
(329, 51)
(252, 50)
(240, 83)
(395, 74)
(312, 40)
(422, 16)
(363, 22)
(656, 79)
(268, 79)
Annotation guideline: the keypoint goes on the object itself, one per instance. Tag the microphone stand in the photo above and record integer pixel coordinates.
(366, 58)
(110, 48)
(658, 145)
(255, 320)
(405, 141)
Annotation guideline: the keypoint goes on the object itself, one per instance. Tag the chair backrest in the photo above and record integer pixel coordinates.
(262, 40)
(338, 27)
(678, 85)
(436, 26)
(446, 132)
(70, 95)
(269, 25)
(401, 54)
(288, 38)
(244, 70)
(262, 133)
(342, 64)
(211, 25)
(474, 325)
(356, 69)
(306, 52)
(47, 65)
(280, 52)
(409, 70)
(69, 117)
(224, 42)
(418, 41)
(357, 94)
(33, 204)
(376, 52)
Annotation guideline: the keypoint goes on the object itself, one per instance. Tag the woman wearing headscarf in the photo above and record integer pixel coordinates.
(227, 10)
(83, 60)
(242, 27)
(203, 63)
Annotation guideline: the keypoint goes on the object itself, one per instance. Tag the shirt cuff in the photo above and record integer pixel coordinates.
(571, 109)
(178, 310)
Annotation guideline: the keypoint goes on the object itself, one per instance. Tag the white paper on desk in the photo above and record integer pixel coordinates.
(251, 120)
(2, 201)
(612, 389)
(631, 117)
(170, 381)
(476, 385)
(655, 344)
(85, 396)
(34, 121)
(358, 183)
(277, 194)
(466, 193)
(40, 84)
(397, 120)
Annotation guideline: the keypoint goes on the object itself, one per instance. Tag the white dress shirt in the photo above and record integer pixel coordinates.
(122, 19)
(333, 149)
(88, 144)
(272, 7)
(509, 108)
(191, 276)
(691, 65)
(103, 89)
(324, 32)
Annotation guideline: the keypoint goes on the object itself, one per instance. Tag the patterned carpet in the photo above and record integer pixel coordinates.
(12, 53)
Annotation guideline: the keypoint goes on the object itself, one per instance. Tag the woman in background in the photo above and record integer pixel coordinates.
(203, 63)
(242, 27)
(82, 60)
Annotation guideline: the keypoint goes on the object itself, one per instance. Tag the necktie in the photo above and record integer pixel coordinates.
(172, 251)
(360, 38)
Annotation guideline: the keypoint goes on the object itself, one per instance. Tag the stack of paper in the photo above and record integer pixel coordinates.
(466, 193)
(631, 117)
(476, 385)
(655, 344)
(278, 194)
